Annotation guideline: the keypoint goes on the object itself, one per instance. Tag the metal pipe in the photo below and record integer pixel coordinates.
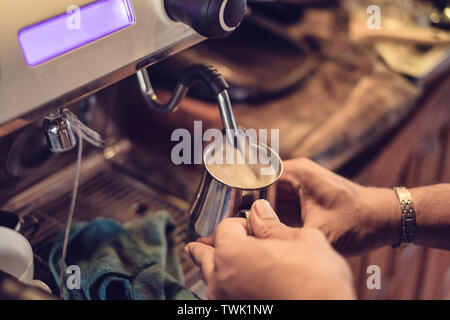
(151, 98)
(181, 90)
(226, 111)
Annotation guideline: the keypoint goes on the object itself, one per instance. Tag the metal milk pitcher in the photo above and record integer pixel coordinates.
(219, 198)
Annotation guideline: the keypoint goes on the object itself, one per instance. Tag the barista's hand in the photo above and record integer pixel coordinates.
(278, 263)
(352, 217)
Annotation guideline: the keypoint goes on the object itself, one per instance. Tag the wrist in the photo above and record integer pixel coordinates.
(385, 215)
(431, 205)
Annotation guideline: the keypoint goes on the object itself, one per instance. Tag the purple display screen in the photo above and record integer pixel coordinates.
(77, 27)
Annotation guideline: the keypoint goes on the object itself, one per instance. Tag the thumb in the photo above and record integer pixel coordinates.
(265, 223)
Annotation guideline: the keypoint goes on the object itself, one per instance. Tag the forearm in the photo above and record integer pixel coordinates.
(432, 207)
(357, 218)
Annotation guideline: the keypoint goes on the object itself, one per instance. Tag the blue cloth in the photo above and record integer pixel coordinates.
(135, 262)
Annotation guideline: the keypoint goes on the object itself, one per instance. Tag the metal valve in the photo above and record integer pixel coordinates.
(59, 133)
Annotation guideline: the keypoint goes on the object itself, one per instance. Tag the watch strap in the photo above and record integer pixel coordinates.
(408, 216)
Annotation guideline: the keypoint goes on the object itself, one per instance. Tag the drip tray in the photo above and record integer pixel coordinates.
(105, 191)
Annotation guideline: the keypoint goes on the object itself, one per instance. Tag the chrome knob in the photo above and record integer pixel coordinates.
(210, 18)
(59, 133)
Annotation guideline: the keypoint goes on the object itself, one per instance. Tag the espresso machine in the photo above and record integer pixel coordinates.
(91, 58)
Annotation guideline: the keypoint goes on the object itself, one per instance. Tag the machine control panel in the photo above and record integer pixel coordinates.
(76, 27)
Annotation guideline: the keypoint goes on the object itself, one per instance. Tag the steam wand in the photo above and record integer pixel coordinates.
(194, 73)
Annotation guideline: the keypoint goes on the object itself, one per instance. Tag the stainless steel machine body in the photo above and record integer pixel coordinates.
(26, 89)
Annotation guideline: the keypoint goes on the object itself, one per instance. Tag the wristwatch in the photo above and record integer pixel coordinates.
(408, 216)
